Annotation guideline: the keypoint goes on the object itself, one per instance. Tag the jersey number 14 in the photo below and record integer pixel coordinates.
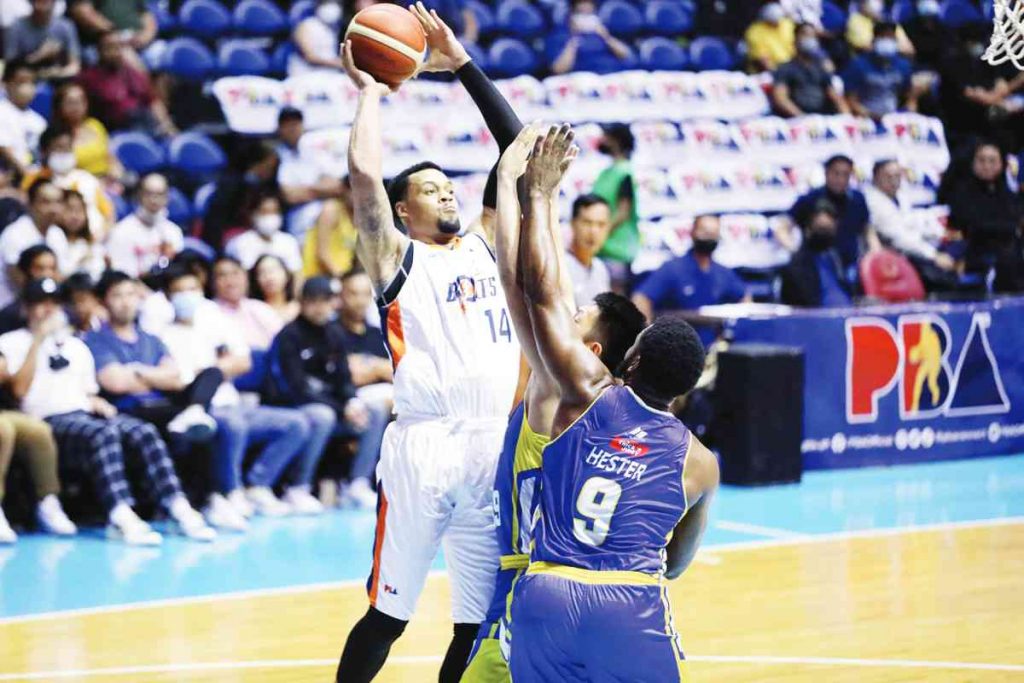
(500, 325)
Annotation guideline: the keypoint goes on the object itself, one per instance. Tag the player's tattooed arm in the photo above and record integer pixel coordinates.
(381, 245)
(700, 480)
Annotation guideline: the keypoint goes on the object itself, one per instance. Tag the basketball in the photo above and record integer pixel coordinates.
(387, 42)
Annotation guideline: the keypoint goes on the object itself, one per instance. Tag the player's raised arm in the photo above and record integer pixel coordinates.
(701, 480)
(381, 245)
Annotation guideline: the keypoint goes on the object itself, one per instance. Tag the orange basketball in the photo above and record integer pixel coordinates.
(387, 42)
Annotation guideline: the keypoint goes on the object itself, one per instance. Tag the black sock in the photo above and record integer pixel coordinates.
(458, 653)
(368, 646)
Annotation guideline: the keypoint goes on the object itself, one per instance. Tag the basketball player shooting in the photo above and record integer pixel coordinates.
(456, 361)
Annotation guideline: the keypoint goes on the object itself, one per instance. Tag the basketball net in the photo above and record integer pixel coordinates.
(1007, 35)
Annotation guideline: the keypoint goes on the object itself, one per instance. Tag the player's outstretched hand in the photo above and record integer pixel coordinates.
(446, 52)
(553, 153)
(513, 162)
(362, 80)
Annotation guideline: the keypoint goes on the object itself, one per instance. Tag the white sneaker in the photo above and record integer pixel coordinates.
(223, 515)
(7, 535)
(361, 494)
(241, 503)
(302, 501)
(266, 503)
(125, 525)
(52, 519)
(188, 522)
(193, 423)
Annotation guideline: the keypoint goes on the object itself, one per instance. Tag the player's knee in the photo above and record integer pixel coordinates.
(382, 627)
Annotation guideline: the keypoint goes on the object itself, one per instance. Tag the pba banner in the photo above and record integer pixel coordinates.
(900, 384)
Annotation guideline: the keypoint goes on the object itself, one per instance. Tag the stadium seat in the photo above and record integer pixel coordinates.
(204, 18)
(239, 59)
(509, 57)
(188, 59)
(179, 208)
(138, 152)
(708, 53)
(196, 154)
(259, 18)
(199, 247)
(279, 60)
(519, 19)
(484, 17)
(667, 18)
(121, 207)
(301, 10)
(201, 201)
(166, 22)
(622, 19)
(42, 104)
(889, 276)
(903, 11)
(956, 13)
(833, 18)
(662, 54)
(477, 54)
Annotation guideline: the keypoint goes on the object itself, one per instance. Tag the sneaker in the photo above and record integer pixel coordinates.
(361, 494)
(7, 535)
(52, 519)
(302, 501)
(193, 423)
(241, 503)
(125, 525)
(266, 503)
(188, 522)
(223, 515)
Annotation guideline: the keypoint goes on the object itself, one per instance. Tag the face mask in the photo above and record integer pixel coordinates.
(808, 46)
(185, 305)
(886, 47)
(820, 241)
(329, 13)
(705, 247)
(267, 224)
(62, 162)
(150, 218)
(928, 8)
(772, 13)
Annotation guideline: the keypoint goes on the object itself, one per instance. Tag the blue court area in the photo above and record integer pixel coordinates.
(41, 574)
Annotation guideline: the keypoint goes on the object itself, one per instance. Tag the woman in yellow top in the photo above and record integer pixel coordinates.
(330, 246)
(90, 140)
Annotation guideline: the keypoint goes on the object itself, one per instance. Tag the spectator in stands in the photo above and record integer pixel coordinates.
(854, 232)
(303, 179)
(879, 83)
(38, 262)
(20, 126)
(893, 222)
(591, 221)
(330, 247)
(254, 320)
(12, 199)
(804, 84)
(771, 39)
(54, 378)
(615, 185)
(931, 38)
(265, 236)
(84, 310)
(585, 44)
(861, 28)
(89, 138)
(31, 439)
(140, 241)
(316, 41)
(44, 41)
(255, 172)
(122, 95)
(815, 277)
(85, 253)
(38, 226)
(991, 218)
(130, 19)
(270, 281)
(309, 370)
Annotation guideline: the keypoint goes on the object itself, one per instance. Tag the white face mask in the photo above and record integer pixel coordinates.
(267, 224)
(62, 162)
(185, 305)
(329, 13)
(150, 218)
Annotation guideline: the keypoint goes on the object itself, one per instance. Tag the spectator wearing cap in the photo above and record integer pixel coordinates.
(46, 42)
(615, 186)
(309, 369)
(879, 82)
(770, 40)
(591, 221)
(803, 85)
(254, 320)
(861, 25)
(815, 277)
(585, 44)
(140, 241)
(270, 282)
(54, 378)
(38, 262)
(20, 125)
(38, 226)
(265, 236)
(304, 180)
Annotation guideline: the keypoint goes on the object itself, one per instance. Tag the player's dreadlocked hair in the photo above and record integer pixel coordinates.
(669, 358)
(619, 322)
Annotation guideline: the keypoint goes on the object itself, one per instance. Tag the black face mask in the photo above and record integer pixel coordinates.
(820, 241)
(704, 247)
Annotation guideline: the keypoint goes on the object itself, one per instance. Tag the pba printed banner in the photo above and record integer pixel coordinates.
(900, 384)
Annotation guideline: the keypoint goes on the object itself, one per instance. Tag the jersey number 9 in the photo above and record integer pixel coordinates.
(596, 504)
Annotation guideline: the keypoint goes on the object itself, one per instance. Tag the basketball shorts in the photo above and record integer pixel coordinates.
(488, 661)
(575, 632)
(435, 479)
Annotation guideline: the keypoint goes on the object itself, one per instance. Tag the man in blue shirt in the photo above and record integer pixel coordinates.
(878, 82)
(815, 277)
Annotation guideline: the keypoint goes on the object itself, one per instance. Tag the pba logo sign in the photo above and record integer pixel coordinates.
(935, 375)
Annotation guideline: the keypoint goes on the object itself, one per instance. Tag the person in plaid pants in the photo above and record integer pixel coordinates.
(54, 378)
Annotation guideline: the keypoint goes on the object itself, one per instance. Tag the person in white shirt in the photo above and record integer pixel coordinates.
(893, 221)
(86, 254)
(591, 221)
(265, 237)
(20, 126)
(38, 226)
(54, 378)
(303, 177)
(139, 241)
(316, 41)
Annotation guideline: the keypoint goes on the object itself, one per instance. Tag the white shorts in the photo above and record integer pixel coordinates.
(435, 480)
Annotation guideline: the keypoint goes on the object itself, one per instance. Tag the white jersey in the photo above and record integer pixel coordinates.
(449, 334)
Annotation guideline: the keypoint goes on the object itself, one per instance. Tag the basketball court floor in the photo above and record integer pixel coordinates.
(902, 574)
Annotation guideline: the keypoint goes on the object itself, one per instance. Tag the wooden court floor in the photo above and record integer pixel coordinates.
(928, 605)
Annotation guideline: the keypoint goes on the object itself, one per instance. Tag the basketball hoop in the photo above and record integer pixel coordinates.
(1007, 35)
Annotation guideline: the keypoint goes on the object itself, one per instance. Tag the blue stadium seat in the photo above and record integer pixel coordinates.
(509, 57)
(903, 11)
(239, 59)
(708, 53)
(196, 154)
(138, 152)
(662, 54)
(121, 207)
(519, 19)
(187, 59)
(956, 13)
(484, 17)
(300, 10)
(279, 60)
(165, 21)
(200, 247)
(833, 18)
(42, 104)
(477, 54)
(622, 19)
(201, 201)
(668, 18)
(259, 18)
(204, 18)
(179, 208)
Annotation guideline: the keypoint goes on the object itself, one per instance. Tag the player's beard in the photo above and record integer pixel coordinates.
(451, 226)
